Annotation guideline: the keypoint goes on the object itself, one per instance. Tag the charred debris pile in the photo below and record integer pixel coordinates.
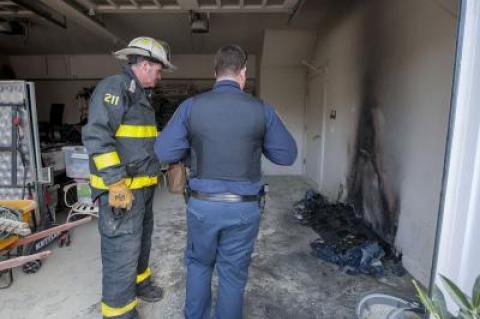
(344, 239)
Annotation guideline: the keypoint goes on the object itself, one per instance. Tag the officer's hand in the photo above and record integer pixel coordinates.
(119, 196)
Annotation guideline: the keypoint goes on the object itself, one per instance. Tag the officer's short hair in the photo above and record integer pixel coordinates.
(229, 60)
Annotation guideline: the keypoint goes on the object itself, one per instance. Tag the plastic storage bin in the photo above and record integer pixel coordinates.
(76, 162)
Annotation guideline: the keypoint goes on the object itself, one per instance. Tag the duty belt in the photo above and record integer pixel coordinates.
(225, 197)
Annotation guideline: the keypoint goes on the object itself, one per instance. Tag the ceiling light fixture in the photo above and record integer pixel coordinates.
(199, 22)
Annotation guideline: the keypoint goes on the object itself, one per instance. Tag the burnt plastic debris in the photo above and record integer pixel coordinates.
(365, 258)
(344, 239)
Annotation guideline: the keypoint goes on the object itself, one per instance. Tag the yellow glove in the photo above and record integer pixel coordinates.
(119, 196)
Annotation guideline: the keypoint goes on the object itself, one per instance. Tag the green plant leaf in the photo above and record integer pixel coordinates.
(465, 315)
(427, 302)
(476, 295)
(438, 300)
(457, 295)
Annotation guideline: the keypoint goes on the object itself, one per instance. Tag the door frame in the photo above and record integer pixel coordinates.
(313, 73)
(456, 244)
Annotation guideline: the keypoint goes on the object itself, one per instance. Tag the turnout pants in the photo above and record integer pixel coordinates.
(125, 248)
(220, 235)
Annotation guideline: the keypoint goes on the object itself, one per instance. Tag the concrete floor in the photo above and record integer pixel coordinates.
(285, 281)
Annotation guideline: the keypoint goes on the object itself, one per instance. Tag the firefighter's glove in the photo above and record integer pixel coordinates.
(119, 196)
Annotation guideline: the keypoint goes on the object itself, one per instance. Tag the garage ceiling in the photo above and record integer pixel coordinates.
(9, 7)
(100, 26)
(119, 6)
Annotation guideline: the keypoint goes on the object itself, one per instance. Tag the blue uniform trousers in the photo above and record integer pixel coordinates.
(125, 247)
(220, 235)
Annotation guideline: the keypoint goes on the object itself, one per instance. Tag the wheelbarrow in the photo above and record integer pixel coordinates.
(15, 235)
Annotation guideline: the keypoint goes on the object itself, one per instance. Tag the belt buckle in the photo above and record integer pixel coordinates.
(231, 198)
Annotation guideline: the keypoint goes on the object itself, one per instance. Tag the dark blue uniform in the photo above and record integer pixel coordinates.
(222, 234)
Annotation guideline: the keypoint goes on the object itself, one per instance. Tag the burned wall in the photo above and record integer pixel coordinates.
(370, 189)
(413, 88)
(387, 142)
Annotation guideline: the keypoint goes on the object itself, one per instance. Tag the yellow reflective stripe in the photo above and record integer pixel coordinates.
(132, 183)
(108, 311)
(136, 131)
(141, 181)
(141, 277)
(106, 160)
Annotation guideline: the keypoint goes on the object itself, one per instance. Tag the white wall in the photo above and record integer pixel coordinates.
(416, 82)
(97, 66)
(282, 83)
(412, 70)
(284, 88)
(62, 92)
(339, 55)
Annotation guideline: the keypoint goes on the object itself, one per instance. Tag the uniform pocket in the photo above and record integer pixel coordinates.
(117, 213)
(251, 214)
(115, 222)
(193, 215)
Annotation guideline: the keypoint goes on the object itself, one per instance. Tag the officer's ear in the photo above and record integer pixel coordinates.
(243, 77)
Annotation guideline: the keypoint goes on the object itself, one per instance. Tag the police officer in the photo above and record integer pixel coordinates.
(223, 132)
(119, 137)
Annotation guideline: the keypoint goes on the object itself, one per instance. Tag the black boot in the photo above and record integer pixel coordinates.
(150, 293)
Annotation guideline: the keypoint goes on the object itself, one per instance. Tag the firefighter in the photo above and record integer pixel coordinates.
(119, 137)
